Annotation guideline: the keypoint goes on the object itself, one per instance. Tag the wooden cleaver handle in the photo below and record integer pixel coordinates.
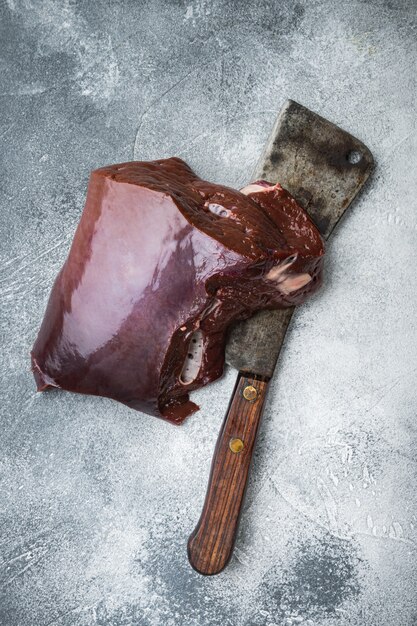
(210, 545)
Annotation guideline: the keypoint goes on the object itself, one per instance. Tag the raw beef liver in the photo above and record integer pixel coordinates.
(160, 264)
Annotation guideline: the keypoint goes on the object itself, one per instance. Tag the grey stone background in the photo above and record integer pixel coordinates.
(97, 501)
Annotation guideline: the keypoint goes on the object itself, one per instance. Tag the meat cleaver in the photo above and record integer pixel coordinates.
(324, 168)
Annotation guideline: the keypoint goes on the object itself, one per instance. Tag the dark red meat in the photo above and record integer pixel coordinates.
(161, 263)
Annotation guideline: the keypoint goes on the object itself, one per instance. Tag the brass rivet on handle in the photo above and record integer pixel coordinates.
(250, 393)
(236, 445)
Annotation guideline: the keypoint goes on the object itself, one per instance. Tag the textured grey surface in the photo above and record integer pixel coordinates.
(97, 501)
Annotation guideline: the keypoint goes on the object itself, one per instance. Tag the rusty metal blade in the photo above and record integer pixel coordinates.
(323, 167)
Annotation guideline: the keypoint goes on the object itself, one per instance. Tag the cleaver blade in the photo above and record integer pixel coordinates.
(323, 167)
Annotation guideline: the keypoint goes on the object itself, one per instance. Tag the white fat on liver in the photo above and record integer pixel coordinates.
(292, 283)
(218, 209)
(287, 283)
(193, 359)
(192, 363)
(254, 188)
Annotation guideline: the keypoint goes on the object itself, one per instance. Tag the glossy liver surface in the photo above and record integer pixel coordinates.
(161, 263)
